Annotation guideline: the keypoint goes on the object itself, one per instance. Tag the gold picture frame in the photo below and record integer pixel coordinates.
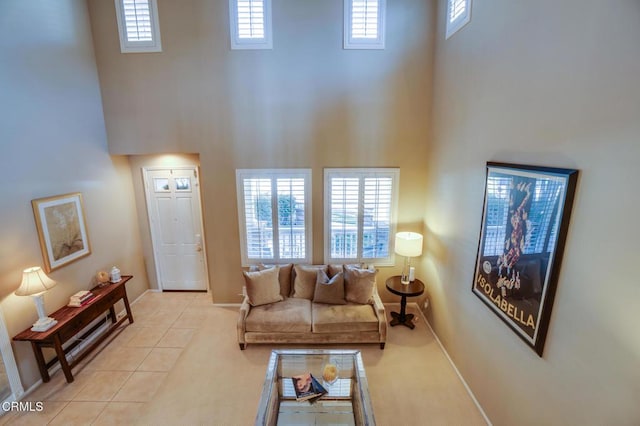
(62, 229)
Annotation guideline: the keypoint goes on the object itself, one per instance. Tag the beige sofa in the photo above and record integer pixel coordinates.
(305, 306)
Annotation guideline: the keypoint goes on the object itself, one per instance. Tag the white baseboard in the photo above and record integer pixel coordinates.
(464, 383)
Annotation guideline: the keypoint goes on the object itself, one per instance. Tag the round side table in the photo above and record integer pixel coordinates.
(414, 288)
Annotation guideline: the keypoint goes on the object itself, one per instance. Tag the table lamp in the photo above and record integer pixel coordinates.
(408, 244)
(35, 283)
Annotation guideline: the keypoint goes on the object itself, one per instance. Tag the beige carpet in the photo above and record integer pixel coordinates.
(179, 364)
(214, 383)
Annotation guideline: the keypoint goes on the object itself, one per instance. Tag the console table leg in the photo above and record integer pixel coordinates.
(125, 299)
(42, 365)
(62, 358)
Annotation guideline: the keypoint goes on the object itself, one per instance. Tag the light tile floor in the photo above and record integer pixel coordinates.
(116, 381)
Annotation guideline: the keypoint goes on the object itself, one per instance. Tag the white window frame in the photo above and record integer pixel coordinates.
(361, 173)
(273, 174)
(127, 46)
(456, 23)
(250, 43)
(351, 42)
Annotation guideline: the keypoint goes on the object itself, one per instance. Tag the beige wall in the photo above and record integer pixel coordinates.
(544, 83)
(53, 142)
(306, 103)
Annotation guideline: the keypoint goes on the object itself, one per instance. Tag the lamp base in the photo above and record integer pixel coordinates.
(43, 324)
(404, 278)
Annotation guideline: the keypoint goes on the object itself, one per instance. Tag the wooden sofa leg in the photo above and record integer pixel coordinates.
(381, 345)
(242, 346)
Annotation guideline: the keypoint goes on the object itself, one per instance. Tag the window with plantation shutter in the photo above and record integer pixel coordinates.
(458, 15)
(138, 26)
(250, 24)
(364, 24)
(275, 215)
(360, 212)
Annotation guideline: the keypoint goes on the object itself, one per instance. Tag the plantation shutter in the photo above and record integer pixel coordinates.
(138, 27)
(364, 23)
(251, 19)
(274, 215)
(376, 217)
(291, 218)
(137, 17)
(258, 218)
(359, 214)
(457, 8)
(458, 15)
(364, 19)
(345, 201)
(250, 24)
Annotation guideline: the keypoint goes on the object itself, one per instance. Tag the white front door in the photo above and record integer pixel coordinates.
(173, 202)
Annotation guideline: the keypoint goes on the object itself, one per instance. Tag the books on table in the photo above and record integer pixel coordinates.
(81, 298)
(307, 388)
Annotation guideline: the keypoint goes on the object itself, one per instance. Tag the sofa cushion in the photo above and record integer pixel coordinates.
(263, 286)
(304, 281)
(284, 277)
(335, 270)
(289, 316)
(358, 284)
(329, 290)
(343, 318)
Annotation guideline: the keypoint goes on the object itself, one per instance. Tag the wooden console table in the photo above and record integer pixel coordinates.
(71, 321)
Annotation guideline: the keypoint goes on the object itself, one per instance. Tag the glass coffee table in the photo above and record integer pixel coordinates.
(347, 401)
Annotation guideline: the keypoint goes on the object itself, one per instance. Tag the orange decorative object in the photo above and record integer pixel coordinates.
(330, 373)
(102, 277)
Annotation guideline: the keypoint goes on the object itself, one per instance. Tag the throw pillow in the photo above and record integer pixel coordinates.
(263, 286)
(284, 276)
(304, 283)
(335, 269)
(358, 284)
(330, 291)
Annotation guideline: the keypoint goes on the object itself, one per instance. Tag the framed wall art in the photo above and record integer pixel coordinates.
(62, 229)
(524, 226)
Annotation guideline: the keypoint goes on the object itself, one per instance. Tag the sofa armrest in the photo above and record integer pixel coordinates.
(378, 307)
(242, 316)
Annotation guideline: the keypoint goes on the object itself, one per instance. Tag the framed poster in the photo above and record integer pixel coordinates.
(524, 226)
(61, 229)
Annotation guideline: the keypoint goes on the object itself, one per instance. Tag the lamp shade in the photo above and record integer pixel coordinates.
(408, 244)
(34, 281)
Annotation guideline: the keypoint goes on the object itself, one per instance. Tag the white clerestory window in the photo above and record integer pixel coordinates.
(250, 24)
(274, 208)
(364, 24)
(458, 15)
(138, 26)
(360, 215)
